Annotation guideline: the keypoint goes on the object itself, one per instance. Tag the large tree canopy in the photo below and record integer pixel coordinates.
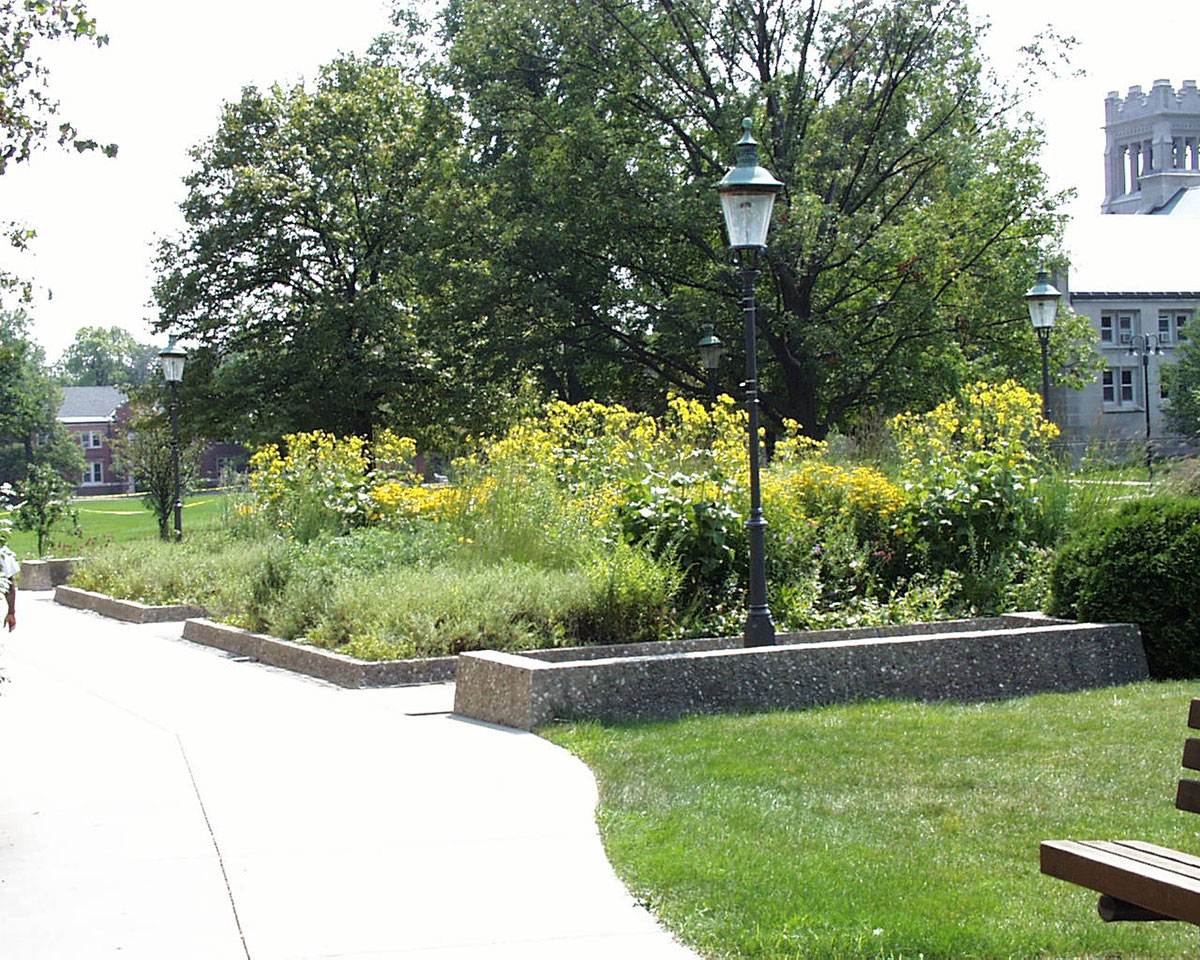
(914, 213)
(300, 269)
(29, 400)
(105, 357)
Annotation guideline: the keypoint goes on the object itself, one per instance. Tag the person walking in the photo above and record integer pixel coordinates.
(9, 568)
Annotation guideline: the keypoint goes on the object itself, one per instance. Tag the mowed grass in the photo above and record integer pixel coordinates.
(892, 830)
(115, 519)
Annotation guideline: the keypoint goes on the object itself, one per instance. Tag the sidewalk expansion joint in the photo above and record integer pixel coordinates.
(216, 847)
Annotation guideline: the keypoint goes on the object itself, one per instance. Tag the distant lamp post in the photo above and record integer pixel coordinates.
(1042, 299)
(1145, 345)
(172, 360)
(711, 351)
(747, 194)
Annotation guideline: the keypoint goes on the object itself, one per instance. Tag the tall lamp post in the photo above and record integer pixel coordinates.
(747, 194)
(172, 360)
(1143, 345)
(1042, 299)
(711, 351)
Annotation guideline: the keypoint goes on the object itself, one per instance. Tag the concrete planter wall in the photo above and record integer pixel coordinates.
(1012, 660)
(46, 574)
(128, 610)
(317, 662)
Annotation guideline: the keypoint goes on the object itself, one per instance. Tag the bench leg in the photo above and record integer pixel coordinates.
(1112, 910)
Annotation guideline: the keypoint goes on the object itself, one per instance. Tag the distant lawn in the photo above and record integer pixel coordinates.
(892, 830)
(113, 519)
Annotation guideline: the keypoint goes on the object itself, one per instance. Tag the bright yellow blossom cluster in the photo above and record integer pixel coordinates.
(318, 482)
(1003, 420)
(816, 490)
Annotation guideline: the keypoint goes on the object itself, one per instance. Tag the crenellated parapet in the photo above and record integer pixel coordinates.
(1162, 98)
(1152, 148)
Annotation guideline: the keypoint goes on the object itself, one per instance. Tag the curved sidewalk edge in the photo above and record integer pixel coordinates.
(173, 801)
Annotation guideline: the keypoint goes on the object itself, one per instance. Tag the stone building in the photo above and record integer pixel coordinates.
(1152, 150)
(1142, 291)
(1139, 331)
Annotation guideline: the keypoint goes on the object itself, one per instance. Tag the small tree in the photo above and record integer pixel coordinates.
(45, 503)
(1182, 380)
(142, 450)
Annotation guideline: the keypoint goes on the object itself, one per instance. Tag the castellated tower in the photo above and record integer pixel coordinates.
(1152, 149)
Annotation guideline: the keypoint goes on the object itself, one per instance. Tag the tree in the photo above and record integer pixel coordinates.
(45, 503)
(26, 106)
(100, 357)
(142, 449)
(300, 270)
(29, 399)
(914, 214)
(1182, 382)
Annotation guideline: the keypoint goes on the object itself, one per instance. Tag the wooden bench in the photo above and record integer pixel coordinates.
(1137, 881)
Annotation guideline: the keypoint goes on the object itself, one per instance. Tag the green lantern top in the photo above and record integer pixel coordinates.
(747, 194)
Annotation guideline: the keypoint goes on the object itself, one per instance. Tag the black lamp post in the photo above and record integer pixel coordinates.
(1042, 299)
(1143, 345)
(172, 360)
(747, 195)
(711, 351)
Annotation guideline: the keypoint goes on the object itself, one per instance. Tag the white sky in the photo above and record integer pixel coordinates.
(157, 89)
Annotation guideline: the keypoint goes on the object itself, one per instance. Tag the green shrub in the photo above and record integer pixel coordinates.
(1137, 564)
(972, 468)
(227, 576)
(374, 595)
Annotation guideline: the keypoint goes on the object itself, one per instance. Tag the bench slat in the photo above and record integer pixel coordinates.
(1148, 855)
(1191, 753)
(1194, 715)
(1177, 855)
(1126, 873)
(1187, 796)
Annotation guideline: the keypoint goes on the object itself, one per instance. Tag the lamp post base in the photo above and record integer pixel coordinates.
(760, 629)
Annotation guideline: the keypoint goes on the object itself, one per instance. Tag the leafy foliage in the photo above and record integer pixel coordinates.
(1182, 380)
(300, 270)
(26, 105)
(1136, 564)
(143, 449)
(29, 399)
(914, 211)
(971, 468)
(321, 485)
(44, 503)
(100, 357)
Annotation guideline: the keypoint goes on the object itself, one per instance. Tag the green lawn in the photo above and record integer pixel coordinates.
(892, 830)
(111, 519)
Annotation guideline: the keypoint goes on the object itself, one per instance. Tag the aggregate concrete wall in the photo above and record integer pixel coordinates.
(45, 574)
(316, 662)
(129, 610)
(1041, 655)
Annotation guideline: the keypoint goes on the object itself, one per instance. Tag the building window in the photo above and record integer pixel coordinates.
(1172, 325)
(1117, 385)
(1116, 328)
(91, 439)
(94, 473)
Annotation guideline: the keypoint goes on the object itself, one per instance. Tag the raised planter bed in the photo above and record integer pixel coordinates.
(965, 660)
(317, 662)
(45, 574)
(129, 610)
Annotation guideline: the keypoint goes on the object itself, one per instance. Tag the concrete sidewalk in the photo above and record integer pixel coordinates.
(161, 800)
